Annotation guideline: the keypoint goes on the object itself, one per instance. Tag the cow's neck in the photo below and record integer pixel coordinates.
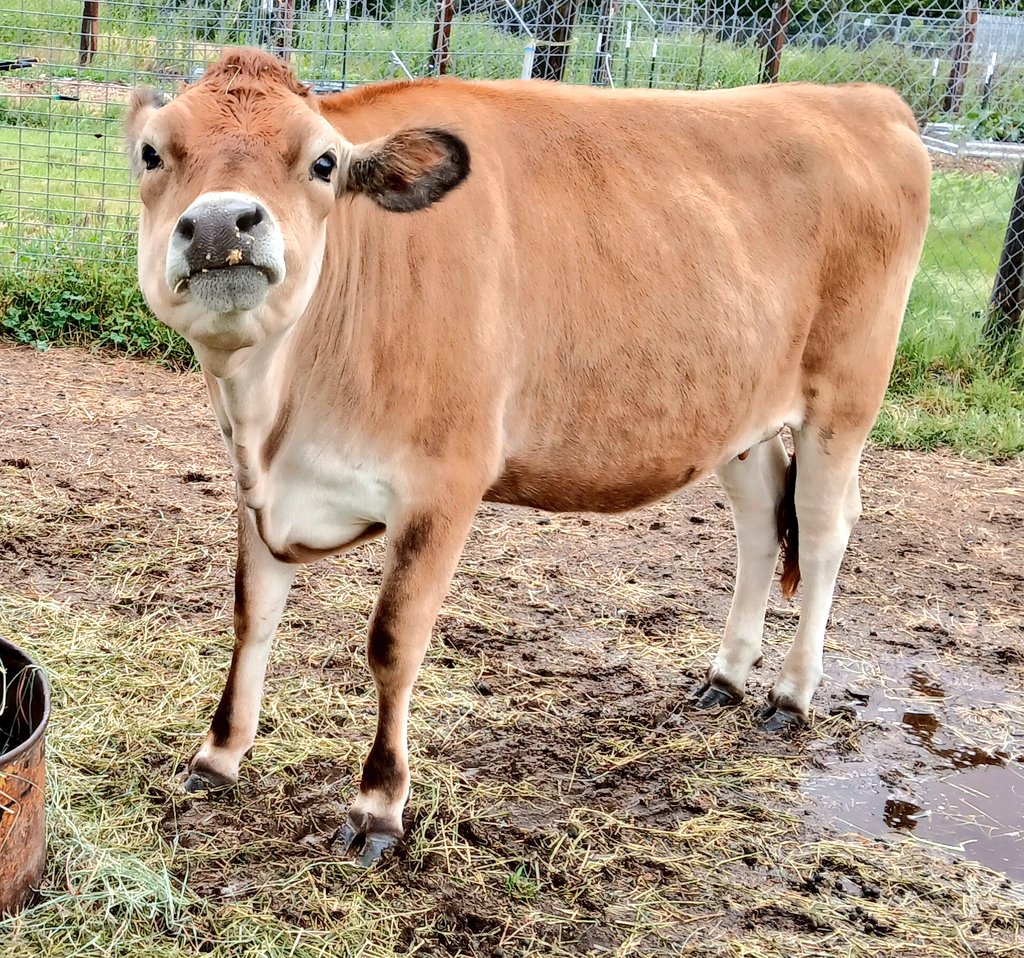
(248, 403)
(253, 398)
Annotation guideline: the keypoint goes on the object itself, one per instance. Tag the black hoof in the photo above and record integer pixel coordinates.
(204, 781)
(366, 847)
(780, 720)
(711, 696)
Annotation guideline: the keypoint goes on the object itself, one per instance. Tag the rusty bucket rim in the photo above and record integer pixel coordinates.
(40, 729)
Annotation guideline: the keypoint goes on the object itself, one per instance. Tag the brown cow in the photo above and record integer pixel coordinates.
(412, 297)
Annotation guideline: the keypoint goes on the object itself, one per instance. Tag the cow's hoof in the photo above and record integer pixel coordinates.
(204, 780)
(775, 718)
(364, 846)
(716, 695)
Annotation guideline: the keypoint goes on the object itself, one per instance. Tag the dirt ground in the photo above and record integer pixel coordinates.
(555, 707)
(971, 164)
(90, 92)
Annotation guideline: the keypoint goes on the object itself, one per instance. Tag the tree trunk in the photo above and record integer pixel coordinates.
(601, 72)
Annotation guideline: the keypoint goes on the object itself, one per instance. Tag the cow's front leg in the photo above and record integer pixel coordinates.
(262, 584)
(422, 554)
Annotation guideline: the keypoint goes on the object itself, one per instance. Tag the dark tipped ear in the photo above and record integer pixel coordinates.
(141, 106)
(410, 170)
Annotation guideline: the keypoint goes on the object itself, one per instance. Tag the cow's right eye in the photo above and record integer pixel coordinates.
(150, 157)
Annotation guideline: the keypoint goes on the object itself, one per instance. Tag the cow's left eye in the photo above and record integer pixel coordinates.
(324, 167)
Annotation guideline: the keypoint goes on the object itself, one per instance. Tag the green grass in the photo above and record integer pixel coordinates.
(67, 245)
(946, 389)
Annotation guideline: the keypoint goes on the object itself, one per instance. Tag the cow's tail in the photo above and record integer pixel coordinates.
(789, 537)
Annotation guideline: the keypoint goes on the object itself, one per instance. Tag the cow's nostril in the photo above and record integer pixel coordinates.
(250, 219)
(186, 228)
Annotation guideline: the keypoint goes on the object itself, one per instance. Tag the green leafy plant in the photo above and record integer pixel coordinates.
(994, 124)
(78, 304)
(521, 885)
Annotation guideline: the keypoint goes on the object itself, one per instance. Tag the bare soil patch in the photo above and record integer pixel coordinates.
(91, 92)
(568, 799)
(944, 163)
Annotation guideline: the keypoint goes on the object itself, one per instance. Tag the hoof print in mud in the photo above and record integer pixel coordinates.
(709, 696)
(365, 847)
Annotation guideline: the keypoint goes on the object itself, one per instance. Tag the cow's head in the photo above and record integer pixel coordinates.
(237, 178)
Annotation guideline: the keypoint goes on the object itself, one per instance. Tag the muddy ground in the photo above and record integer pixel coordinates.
(569, 647)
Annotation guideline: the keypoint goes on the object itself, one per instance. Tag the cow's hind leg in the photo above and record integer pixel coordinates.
(755, 486)
(262, 584)
(827, 499)
(423, 551)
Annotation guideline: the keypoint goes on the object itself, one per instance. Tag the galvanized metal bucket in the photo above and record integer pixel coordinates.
(24, 712)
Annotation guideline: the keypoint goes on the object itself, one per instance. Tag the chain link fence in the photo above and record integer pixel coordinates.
(67, 67)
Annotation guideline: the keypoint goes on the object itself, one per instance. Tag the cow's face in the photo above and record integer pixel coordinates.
(237, 177)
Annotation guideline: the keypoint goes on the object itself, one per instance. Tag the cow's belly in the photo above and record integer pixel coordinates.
(314, 505)
(604, 463)
(553, 488)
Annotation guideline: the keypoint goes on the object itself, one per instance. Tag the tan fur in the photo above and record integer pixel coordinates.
(629, 290)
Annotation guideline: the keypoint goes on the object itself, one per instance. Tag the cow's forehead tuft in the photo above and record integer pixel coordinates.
(252, 68)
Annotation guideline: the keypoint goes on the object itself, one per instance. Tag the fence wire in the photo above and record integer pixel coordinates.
(67, 68)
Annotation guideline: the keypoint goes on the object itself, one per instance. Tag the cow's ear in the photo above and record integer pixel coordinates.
(409, 170)
(143, 102)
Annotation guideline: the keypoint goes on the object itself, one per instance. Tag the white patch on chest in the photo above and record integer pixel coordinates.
(319, 498)
(322, 489)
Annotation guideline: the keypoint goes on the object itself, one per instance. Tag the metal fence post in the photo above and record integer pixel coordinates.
(776, 41)
(601, 72)
(1006, 307)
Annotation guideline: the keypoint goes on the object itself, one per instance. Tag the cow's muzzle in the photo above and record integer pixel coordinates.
(226, 252)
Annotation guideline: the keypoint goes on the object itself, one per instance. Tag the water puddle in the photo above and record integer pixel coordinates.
(944, 763)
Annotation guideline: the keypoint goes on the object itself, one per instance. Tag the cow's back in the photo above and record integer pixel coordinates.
(624, 291)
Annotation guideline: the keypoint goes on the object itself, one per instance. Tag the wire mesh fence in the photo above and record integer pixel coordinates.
(67, 68)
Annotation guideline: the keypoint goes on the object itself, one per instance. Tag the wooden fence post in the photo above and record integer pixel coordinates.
(440, 58)
(88, 38)
(961, 59)
(554, 35)
(281, 41)
(1006, 307)
(776, 41)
